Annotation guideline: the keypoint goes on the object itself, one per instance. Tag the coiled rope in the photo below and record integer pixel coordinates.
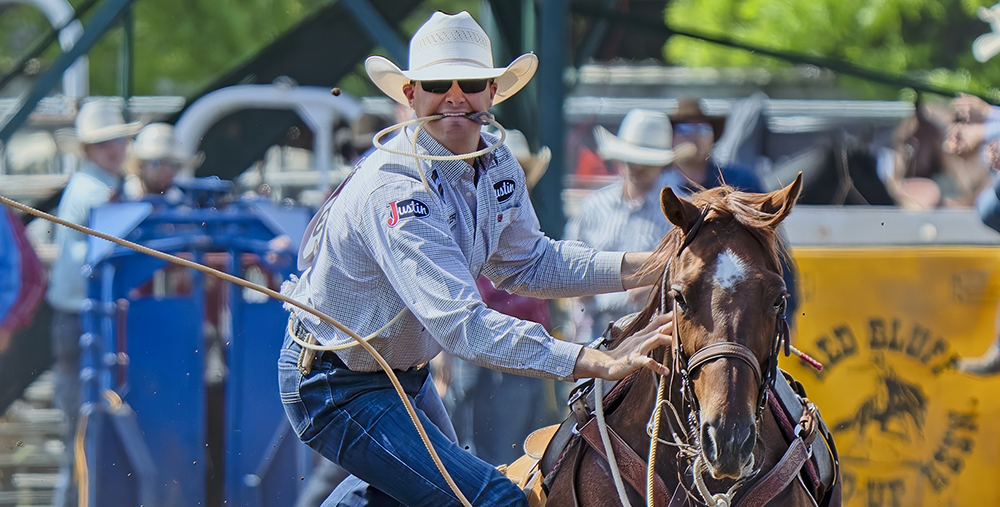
(482, 118)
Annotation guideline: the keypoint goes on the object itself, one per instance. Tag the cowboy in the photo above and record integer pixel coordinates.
(104, 136)
(160, 160)
(692, 125)
(625, 215)
(400, 246)
(976, 128)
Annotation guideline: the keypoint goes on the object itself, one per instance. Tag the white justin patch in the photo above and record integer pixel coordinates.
(729, 270)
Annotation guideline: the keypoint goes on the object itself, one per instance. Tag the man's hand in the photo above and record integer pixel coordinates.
(630, 355)
(964, 137)
(970, 109)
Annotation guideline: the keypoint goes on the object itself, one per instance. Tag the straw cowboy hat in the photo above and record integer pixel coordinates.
(534, 165)
(451, 47)
(689, 111)
(156, 141)
(645, 138)
(101, 120)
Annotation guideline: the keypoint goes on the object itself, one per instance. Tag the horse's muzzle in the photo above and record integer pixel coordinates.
(728, 447)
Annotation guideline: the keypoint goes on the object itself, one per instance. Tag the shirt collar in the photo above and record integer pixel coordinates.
(89, 168)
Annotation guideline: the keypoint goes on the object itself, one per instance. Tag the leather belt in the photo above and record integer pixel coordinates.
(308, 357)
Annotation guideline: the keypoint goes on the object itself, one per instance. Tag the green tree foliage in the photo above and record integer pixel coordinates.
(929, 39)
(181, 46)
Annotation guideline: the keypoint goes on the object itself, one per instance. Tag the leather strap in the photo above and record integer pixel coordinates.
(680, 497)
(778, 478)
(632, 467)
(725, 349)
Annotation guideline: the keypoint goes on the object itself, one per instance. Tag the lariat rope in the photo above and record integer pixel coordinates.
(480, 117)
(273, 294)
(654, 440)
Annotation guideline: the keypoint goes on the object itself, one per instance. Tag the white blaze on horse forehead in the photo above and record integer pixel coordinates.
(730, 270)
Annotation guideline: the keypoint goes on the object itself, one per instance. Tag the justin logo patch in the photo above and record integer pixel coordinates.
(504, 189)
(404, 209)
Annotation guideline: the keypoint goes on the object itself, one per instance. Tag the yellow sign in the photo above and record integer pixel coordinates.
(887, 323)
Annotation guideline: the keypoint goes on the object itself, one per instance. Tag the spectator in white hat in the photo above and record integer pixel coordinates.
(160, 160)
(104, 135)
(409, 233)
(626, 214)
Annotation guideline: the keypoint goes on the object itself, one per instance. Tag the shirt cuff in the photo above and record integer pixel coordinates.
(608, 272)
(563, 359)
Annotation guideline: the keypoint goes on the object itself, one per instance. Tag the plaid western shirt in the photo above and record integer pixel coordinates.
(385, 243)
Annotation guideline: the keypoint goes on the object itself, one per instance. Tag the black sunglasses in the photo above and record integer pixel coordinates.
(467, 85)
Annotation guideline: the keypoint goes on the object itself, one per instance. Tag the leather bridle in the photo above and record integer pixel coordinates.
(688, 366)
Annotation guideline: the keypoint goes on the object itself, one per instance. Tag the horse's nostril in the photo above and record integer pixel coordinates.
(708, 443)
(746, 449)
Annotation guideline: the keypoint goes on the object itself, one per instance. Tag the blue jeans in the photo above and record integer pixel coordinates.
(356, 420)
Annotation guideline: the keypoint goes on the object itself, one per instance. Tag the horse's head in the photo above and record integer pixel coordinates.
(723, 271)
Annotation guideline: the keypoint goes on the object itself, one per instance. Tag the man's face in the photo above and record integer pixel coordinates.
(453, 100)
(157, 175)
(699, 134)
(108, 155)
(643, 177)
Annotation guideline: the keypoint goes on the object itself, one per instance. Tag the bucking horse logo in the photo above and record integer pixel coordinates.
(895, 405)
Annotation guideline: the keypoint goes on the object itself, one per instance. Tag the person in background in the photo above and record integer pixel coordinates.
(104, 136)
(625, 215)
(24, 351)
(160, 160)
(22, 279)
(976, 128)
(494, 412)
(692, 125)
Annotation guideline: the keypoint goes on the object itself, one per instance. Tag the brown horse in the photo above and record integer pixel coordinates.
(721, 276)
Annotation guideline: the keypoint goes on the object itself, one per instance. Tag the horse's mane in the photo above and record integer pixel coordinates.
(724, 203)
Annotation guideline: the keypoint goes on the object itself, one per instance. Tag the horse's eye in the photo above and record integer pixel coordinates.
(780, 304)
(679, 299)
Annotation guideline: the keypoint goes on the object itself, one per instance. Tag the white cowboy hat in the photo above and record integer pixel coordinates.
(534, 165)
(156, 141)
(645, 137)
(101, 120)
(451, 47)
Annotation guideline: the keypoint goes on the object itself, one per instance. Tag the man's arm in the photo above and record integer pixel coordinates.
(632, 273)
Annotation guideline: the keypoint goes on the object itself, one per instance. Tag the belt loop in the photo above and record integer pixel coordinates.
(307, 356)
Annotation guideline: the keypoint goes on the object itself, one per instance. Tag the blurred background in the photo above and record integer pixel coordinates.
(856, 95)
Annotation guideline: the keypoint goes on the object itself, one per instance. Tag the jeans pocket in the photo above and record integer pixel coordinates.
(289, 379)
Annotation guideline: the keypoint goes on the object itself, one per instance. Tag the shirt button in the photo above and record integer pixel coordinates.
(468, 194)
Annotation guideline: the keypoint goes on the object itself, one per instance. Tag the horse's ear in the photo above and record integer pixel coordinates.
(679, 211)
(780, 202)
